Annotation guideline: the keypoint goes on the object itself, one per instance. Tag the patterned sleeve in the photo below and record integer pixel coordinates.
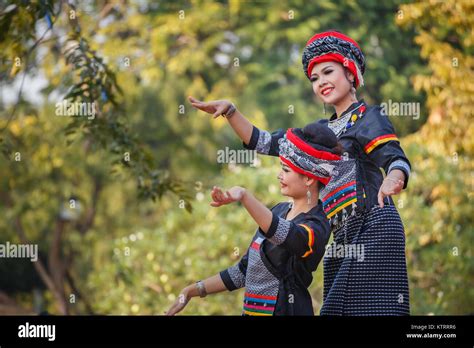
(301, 239)
(264, 142)
(381, 144)
(234, 276)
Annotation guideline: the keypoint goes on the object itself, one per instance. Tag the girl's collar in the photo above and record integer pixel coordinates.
(312, 211)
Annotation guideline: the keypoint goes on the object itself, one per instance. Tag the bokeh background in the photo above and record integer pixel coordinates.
(119, 204)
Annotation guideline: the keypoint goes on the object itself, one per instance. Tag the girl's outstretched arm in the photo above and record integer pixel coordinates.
(259, 212)
(212, 285)
(299, 239)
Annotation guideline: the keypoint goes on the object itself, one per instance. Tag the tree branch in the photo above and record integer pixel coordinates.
(42, 272)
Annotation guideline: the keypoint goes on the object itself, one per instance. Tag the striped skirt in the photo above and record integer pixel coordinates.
(365, 270)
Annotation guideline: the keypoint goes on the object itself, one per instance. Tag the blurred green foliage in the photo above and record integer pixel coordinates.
(124, 255)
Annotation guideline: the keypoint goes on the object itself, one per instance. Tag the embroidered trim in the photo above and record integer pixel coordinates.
(340, 198)
(399, 163)
(237, 277)
(281, 233)
(338, 191)
(346, 121)
(264, 142)
(338, 125)
(259, 304)
(340, 207)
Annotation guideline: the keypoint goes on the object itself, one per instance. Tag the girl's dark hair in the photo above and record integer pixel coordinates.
(321, 137)
(338, 149)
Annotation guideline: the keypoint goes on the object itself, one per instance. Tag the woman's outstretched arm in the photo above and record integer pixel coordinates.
(242, 127)
(212, 285)
(262, 141)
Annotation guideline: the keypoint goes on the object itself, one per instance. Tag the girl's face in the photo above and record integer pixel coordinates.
(292, 184)
(331, 82)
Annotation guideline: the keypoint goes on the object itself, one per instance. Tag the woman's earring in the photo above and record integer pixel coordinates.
(308, 195)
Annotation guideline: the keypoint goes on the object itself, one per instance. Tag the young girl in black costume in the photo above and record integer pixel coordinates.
(286, 249)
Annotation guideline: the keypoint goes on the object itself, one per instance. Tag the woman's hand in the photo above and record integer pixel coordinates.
(392, 185)
(215, 107)
(180, 302)
(241, 126)
(234, 194)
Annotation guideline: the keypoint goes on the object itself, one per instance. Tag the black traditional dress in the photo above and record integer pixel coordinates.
(375, 283)
(277, 268)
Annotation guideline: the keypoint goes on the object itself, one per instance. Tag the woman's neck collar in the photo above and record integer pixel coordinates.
(346, 109)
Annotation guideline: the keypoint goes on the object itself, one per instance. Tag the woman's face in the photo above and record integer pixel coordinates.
(330, 82)
(292, 184)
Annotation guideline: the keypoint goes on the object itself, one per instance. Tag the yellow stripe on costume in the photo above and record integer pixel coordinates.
(310, 240)
(341, 207)
(258, 314)
(378, 141)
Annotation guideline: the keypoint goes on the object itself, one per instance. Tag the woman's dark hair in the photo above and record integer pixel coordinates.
(346, 72)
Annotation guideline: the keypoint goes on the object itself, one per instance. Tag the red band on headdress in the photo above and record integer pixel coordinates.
(301, 171)
(300, 144)
(335, 57)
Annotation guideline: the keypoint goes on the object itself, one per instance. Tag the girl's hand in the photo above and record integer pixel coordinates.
(389, 187)
(180, 303)
(215, 107)
(234, 194)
